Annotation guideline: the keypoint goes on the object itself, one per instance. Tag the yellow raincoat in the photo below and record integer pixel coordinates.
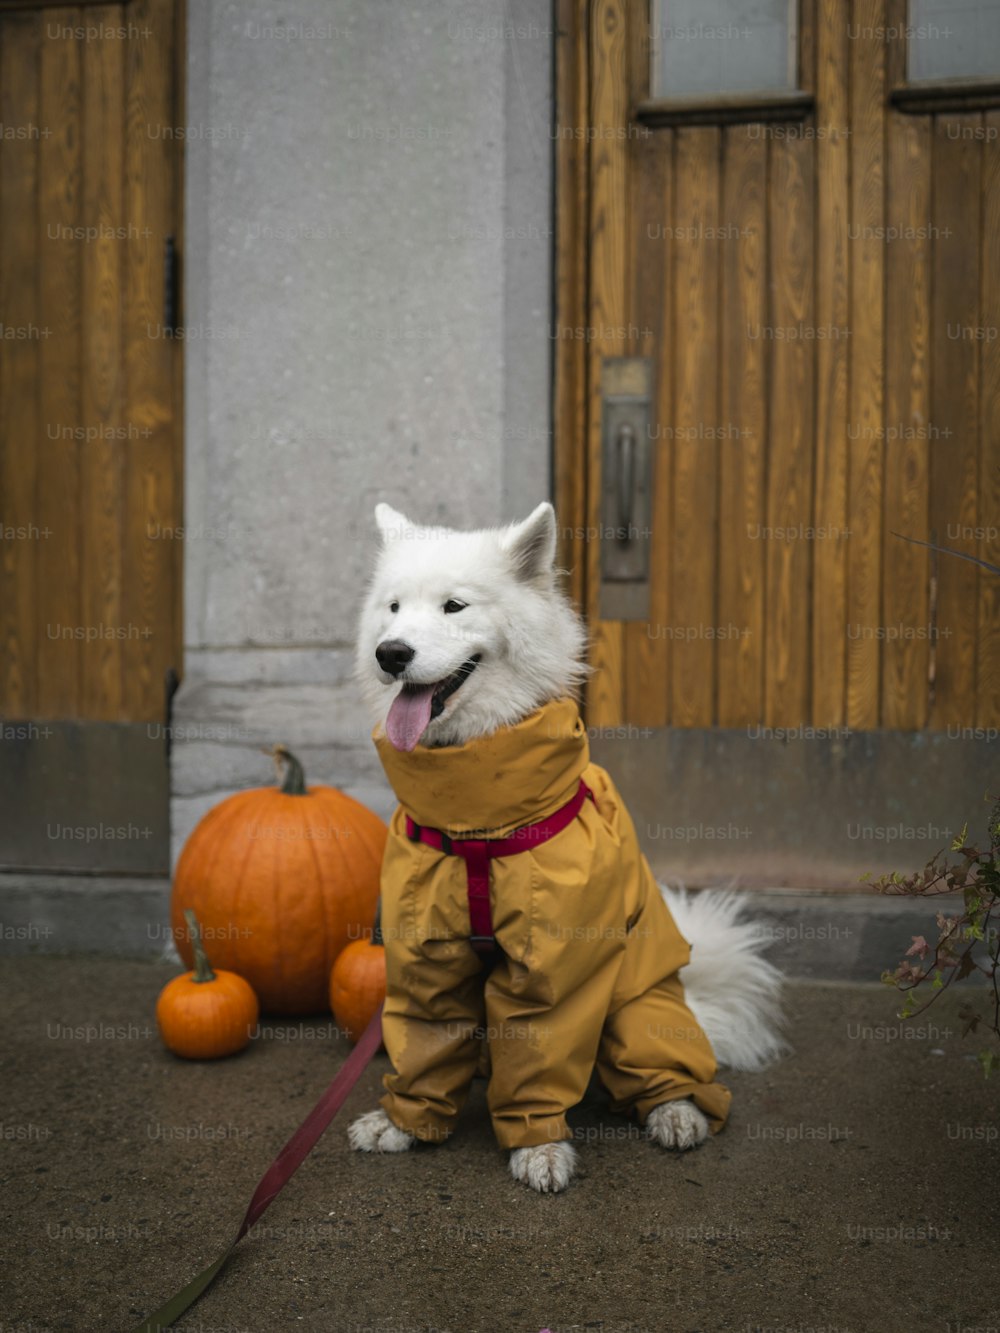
(590, 953)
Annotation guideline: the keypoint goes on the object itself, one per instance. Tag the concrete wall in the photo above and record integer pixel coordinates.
(367, 288)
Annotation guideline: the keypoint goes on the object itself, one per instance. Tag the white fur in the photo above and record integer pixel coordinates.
(677, 1124)
(531, 645)
(548, 1168)
(530, 641)
(375, 1132)
(733, 992)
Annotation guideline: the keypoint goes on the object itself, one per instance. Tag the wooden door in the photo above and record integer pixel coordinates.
(90, 441)
(816, 283)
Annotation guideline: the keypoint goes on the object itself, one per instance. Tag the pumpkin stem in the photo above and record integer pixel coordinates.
(202, 967)
(377, 928)
(294, 783)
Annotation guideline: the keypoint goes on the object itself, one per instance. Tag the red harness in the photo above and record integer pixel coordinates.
(477, 853)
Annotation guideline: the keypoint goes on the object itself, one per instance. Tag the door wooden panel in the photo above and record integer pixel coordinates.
(866, 453)
(818, 297)
(956, 165)
(828, 653)
(645, 657)
(20, 361)
(791, 445)
(58, 217)
(102, 491)
(905, 666)
(90, 446)
(743, 400)
(988, 659)
(693, 563)
(152, 476)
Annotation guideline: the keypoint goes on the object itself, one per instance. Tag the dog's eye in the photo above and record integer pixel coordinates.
(393, 606)
(452, 606)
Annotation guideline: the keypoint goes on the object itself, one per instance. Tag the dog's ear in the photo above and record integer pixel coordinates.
(531, 545)
(391, 523)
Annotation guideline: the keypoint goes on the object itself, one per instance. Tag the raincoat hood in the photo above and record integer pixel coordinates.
(493, 784)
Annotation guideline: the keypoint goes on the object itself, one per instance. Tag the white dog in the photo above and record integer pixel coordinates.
(465, 633)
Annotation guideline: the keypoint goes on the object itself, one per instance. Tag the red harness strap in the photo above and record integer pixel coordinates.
(477, 853)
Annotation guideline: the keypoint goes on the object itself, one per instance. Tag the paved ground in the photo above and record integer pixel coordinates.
(856, 1187)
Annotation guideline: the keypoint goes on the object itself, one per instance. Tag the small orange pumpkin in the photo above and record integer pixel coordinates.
(281, 880)
(357, 982)
(205, 1014)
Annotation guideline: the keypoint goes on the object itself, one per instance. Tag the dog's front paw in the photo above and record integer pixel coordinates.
(548, 1167)
(375, 1132)
(677, 1125)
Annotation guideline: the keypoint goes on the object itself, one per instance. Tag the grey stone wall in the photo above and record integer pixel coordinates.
(367, 268)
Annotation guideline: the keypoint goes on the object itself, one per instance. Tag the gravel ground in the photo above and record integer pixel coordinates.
(856, 1186)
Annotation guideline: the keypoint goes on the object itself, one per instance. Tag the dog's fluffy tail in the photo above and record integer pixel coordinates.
(733, 992)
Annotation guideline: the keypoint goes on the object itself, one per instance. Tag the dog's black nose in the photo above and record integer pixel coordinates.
(394, 656)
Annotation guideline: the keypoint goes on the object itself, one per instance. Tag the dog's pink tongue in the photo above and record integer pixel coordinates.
(408, 717)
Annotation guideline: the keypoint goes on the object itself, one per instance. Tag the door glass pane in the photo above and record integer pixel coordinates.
(953, 39)
(701, 48)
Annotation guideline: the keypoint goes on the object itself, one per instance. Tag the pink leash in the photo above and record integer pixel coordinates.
(281, 1170)
(477, 854)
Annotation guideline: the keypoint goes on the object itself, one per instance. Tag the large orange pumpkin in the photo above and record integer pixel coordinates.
(281, 880)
